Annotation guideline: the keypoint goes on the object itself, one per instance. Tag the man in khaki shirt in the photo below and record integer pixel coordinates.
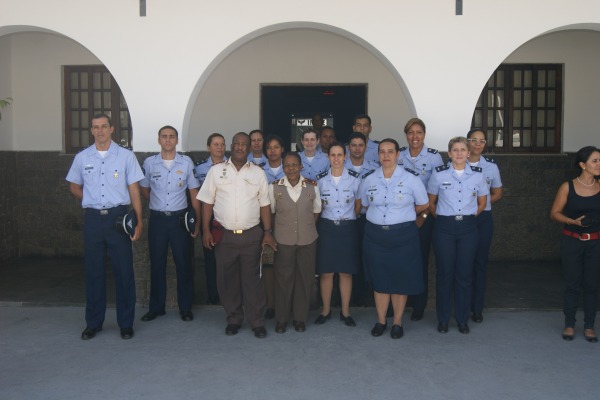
(236, 191)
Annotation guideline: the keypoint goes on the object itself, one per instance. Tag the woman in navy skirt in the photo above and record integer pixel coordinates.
(393, 196)
(337, 246)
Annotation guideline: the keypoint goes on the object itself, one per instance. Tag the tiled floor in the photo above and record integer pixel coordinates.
(51, 282)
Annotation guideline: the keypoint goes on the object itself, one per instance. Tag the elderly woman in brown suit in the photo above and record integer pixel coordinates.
(296, 204)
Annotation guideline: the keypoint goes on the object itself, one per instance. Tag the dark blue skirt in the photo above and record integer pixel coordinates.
(337, 247)
(393, 258)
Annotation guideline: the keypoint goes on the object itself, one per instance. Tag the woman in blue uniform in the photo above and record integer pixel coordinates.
(337, 246)
(577, 206)
(314, 162)
(457, 194)
(393, 197)
(485, 223)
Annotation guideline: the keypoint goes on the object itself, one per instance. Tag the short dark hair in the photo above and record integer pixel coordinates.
(256, 131)
(212, 136)
(362, 116)
(390, 140)
(338, 144)
(310, 130)
(357, 135)
(102, 115)
(293, 154)
(472, 131)
(413, 121)
(275, 138)
(584, 154)
(168, 127)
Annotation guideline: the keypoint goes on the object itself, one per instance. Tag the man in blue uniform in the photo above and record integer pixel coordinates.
(168, 178)
(362, 124)
(105, 178)
(422, 160)
(326, 139)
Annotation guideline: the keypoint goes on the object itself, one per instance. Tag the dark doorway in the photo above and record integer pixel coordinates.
(338, 104)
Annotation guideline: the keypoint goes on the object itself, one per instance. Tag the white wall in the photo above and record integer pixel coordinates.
(230, 100)
(163, 61)
(579, 51)
(6, 124)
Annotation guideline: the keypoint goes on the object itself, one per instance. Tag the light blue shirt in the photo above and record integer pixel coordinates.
(491, 174)
(457, 195)
(168, 187)
(201, 169)
(318, 165)
(423, 164)
(105, 180)
(261, 162)
(393, 201)
(338, 200)
(271, 177)
(366, 166)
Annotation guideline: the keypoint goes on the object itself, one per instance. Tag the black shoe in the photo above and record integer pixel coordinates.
(260, 332)
(150, 315)
(477, 317)
(188, 316)
(464, 329)
(280, 327)
(321, 319)
(589, 335)
(232, 329)
(397, 332)
(299, 326)
(416, 315)
(443, 327)
(378, 329)
(90, 333)
(269, 313)
(126, 333)
(349, 321)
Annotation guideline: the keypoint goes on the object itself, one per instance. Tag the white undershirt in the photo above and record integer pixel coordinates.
(168, 163)
(102, 153)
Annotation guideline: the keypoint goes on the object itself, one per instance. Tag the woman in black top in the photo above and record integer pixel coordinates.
(577, 206)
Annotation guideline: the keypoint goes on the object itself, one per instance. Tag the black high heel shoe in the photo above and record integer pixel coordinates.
(321, 319)
(568, 337)
(590, 338)
(349, 321)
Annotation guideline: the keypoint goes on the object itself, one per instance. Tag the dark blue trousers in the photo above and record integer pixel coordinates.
(485, 228)
(164, 232)
(455, 244)
(581, 269)
(419, 301)
(100, 236)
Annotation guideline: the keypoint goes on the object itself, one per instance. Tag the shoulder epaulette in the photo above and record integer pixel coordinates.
(403, 148)
(276, 181)
(489, 159)
(125, 147)
(432, 151)
(143, 170)
(322, 174)
(368, 173)
(262, 164)
(200, 162)
(310, 182)
(411, 171)
(353, 173)
(375, 141)
(477, 169)
(442, 168)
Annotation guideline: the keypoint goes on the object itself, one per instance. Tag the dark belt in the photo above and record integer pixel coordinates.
(168, 213)
(338, 222)
(118, 210)
(241, 231)
(584, 237)
(392, 227)
(456, 217)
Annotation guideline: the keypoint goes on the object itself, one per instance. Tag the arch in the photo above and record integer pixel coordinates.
(294, 25)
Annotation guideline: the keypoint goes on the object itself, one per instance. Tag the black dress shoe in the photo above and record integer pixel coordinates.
(443, 327)
(349, 321)
(477, 317)
(378, 329)
(416, 315)
(590, 335)
(397, 332)
(126, 333)
(188, 316)
(150, 315)
(321, 319)
(464, 329)
(232, 329)
(299, 326)
(269, 313)
(90, 333)
(280, 327)
(260, 332)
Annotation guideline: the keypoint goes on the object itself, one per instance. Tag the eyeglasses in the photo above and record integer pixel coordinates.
(475, 141)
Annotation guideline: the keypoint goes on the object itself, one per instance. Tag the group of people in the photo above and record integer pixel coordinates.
(355, 210)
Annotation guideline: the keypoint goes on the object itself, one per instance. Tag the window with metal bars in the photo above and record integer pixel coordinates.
(520, 109)
(91, 90)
